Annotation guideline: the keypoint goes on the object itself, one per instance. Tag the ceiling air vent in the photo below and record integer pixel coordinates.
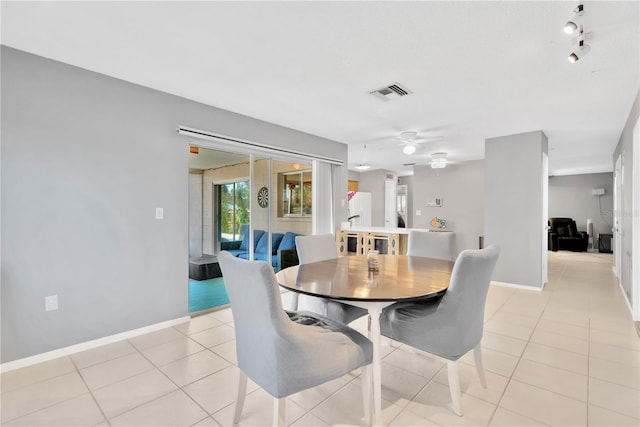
(392, 91)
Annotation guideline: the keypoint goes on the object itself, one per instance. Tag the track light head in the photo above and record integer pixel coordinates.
(583, 50)
(572, 25)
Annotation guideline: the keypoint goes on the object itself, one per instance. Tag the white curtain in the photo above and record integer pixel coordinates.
(323, 197)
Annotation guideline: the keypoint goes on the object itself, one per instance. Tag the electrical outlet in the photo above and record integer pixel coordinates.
(51, 303)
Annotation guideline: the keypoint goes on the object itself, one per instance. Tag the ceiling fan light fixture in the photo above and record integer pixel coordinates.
(409, 135)
(438, 160)
(409, 149)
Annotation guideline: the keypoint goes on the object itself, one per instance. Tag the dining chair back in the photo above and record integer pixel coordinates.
(281, 356)
(317, 247)
(453, 325)
(432, 244)
(314, 248)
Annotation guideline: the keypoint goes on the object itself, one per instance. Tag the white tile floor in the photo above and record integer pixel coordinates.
(567, 356)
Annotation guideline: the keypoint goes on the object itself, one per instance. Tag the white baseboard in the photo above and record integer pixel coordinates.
(624, 295)
(66, 351)
(513, 285)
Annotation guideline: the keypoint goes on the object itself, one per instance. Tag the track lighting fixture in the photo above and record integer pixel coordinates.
(583, 48)
(572, 24)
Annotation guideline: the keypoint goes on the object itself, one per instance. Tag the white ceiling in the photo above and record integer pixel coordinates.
(476, 69)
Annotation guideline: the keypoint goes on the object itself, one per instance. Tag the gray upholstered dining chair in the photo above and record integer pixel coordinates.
(431, 244)
(452, 326)
(314, 248)
(280, 355)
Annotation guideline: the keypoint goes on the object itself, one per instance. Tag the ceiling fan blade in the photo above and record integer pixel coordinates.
(428, 139)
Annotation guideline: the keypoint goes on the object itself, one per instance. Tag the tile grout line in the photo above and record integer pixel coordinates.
(153, 367)
(429, 382)
(328, 397)
(157, 368)
(57, 403)
(90, 391)
(515, 368)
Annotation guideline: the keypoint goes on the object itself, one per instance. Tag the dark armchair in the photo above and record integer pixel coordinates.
(564, 235)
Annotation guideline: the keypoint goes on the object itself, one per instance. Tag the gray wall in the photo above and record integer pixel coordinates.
(373, 182)
(570, 196)
(461, 188)
(86, 159)
(513, 215)
(353, 175)
(625, 148)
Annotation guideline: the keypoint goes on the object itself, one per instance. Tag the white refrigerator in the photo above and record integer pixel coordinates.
(360, 209)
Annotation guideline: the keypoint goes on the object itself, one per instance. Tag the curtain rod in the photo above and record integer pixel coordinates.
(197, 133)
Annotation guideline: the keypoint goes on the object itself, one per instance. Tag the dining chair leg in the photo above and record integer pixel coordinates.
(242, 393)
(477, 355)
(294, 300)
(365, 379)
(454, 386)
(279, 412)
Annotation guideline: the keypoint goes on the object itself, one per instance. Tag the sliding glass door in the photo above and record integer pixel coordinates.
(219, 216)
(252, 205)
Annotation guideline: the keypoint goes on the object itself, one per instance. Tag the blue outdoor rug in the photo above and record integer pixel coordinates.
(205, 294)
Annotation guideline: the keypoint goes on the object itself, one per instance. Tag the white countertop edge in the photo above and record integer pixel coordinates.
(383, 230)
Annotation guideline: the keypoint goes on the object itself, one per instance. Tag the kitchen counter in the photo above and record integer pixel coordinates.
(376, 230)
(369, 238)
(391, 240)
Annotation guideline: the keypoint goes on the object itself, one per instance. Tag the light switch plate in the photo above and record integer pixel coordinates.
(51, 303)
(159, 213)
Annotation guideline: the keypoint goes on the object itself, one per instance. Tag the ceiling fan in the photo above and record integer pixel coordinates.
(409, 141)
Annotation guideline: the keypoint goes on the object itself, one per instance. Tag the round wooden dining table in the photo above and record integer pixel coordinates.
(348, 279)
